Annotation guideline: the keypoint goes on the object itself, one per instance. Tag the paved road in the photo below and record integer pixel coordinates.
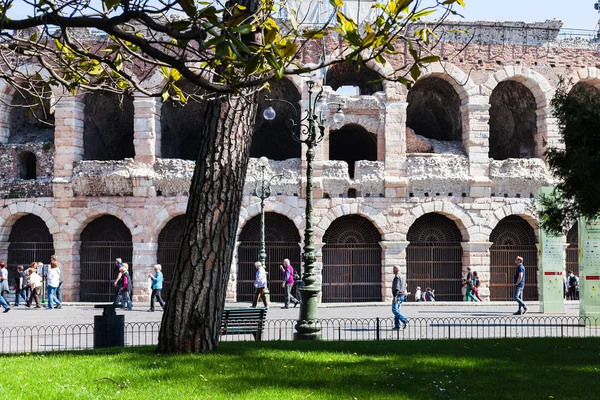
(78, 313)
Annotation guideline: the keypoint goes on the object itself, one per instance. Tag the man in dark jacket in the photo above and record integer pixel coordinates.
(398, 294)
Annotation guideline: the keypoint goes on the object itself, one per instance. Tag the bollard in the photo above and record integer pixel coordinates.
(109, 328)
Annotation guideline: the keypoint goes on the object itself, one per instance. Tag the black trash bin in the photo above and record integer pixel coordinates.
(109, 328)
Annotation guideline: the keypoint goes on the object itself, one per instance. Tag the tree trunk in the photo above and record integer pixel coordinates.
(192, 317)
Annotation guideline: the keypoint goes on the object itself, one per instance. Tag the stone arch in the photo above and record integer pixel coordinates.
(519, 210)
(376, 217)
(367, 80)
(78, 222)
(9, 215)
(590, 75)
(352, 143)
(167, 241)
(460, 217)
(461, 82)
(162, 218)
(253, 209)
(273, 139)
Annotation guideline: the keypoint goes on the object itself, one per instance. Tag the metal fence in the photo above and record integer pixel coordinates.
(81, 337)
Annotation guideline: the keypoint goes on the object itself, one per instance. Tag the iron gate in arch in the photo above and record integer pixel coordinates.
(512, 237)
(30, 240)
(168, 246)
(351, 261)
(102, 241)
(282, 241)
(434, 257)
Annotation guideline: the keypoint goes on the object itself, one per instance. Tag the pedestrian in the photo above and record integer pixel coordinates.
(34, 280)
(573, 286)
(157, 284)
(53, 282)
(117, 271)
(429, 294)
(4, 304)
(288, 283)
(126, 286)
(299, 285)
(520, 285)
(398, 293)
(4, 287)
(54, 260)
(20, 286)
(418, 294)
(476, 285)
(468, 284)
(260, 284)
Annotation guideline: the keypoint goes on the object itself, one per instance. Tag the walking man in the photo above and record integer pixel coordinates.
(118, 266)
(288, 283)
(520, 285)
(398, 294)
(157, 284)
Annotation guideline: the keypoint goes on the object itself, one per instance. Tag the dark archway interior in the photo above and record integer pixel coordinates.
(278, 228)
(352, 143)
(182, 124)
(30, 240)
(351, 229)
(27, 165)
(351, 74)
(513, 122)
(434, 228)
(273, 139)
(168, 247)
(108, 127)
(106, 228)
(29, 121)
(513, 231)
(434, 110)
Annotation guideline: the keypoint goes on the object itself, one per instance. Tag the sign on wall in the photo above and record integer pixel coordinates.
(552, 268)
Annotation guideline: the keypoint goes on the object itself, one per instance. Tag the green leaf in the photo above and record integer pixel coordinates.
(422, 13)
(415, 72)
(252, 64)
(336, 3)
(429, 59)
(243, 29)
(318, 34)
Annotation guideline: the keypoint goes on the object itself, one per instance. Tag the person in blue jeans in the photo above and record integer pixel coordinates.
(4, 304)
(157, 284)
(520, 285)
(398, 293)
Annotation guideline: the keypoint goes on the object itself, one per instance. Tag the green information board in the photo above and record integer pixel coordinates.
(589, 268)
(552, 269)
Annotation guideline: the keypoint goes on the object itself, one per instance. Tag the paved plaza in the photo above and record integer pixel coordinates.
(83, 313)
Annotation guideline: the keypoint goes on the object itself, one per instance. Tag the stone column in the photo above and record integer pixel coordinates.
(146, 130)
(63, 249)
(476, 133)
(231, 295)
(4, 250)
(68, 135)
(318, 270)
(476, 255)
(394, 253)
(396, 183)
(5, 99)
(144, 258)
(74, 285)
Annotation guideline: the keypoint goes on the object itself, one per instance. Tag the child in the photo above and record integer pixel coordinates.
(418, 294)
(476, 285)
(429, 294)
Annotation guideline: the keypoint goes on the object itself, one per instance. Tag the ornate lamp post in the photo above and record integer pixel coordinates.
(309, 131)
(264, 193)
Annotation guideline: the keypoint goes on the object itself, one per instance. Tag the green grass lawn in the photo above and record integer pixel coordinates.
(474, 369)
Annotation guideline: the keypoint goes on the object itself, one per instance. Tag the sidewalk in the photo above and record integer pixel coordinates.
(83, 313)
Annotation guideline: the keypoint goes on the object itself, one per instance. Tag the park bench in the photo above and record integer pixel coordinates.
(239, 321)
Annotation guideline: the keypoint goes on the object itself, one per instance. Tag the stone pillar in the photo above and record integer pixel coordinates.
(396, 183)
(68, 135)
(63, 249)
(476, 255)
(5, 99)
(74, 285)
(231, 295)
(318, 270)
(146, 130)
(394, 253)
(548, 132)
(144, 258)
(475, 118)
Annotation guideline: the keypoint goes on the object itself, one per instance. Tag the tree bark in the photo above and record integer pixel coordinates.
(192, 317)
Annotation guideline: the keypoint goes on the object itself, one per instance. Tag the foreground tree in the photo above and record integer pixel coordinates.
(576, 164)
(231, 52)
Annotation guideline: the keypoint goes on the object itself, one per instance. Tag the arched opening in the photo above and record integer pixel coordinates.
(434, 257)
(282, 241)
(573, 249)
(30, 240)
(168, 248)
(31, 120)
(351, 261)
(107, 126)
(27, 165)
(513, 122)
(433, 115)
(512, 237)
(273, 139)
(362, 77)
(104, 239)
(352, 143)
(182, 124)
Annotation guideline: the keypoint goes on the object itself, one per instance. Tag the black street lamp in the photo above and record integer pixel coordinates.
(310, 131)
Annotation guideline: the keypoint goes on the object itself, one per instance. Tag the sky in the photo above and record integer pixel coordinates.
(576, 14)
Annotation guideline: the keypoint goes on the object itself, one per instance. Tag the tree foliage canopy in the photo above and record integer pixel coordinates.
(576, 164)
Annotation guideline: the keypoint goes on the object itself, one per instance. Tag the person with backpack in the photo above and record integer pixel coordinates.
(476, 284)
(288, 283)
(20, 286)
(429, 294)
(124, 285)
(34, 280)
(573, 286)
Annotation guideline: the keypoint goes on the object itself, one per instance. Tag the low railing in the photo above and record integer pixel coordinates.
(81, 337)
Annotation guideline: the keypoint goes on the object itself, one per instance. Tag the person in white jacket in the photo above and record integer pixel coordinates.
(260, 284)
(53, 282)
